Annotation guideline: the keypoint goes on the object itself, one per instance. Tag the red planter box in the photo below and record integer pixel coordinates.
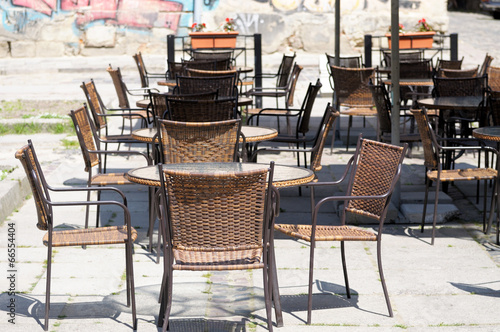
(414, 39)
(213, 39)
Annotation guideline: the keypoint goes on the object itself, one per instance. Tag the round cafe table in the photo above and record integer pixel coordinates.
(284, 176)
(252, 134)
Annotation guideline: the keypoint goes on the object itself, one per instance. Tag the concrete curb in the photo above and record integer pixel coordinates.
(13, 190)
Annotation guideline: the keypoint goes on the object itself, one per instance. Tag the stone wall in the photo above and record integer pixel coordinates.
(49, 28)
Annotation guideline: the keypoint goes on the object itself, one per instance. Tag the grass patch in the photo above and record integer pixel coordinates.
(29, 128)
(6, 172)
(69, 144)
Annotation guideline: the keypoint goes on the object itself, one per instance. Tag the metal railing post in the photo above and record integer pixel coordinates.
(368, 51)
(453, 46)
(257, 39)
(171, 48)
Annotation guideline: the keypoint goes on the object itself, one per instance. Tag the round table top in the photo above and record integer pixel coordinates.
(169, 83)
(451, 102)
(412, 82)
(487, 133)
(252, 134)
(284, 176)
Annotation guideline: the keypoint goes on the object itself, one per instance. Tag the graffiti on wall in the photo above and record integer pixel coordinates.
(129, 13)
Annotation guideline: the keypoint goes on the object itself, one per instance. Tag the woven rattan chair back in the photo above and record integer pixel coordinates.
(158, 104)
(175, 69)
(327, 123)
(403, 56)
(485, 65)
(85, 136)
(449, 64)
(94, 103)
(307, 106)
(494, 109)
(226, 86)
(460, 87)
(376, 166)
(201, 110)
(190, 142)
(121, 89)
(217, 64)
(494, 78)
(292, 85)
(415, 69)
(383, 105)
(238, 199)
(208, 55)
(284, 70)
(458, 73)
(142, 70)
(431, 157)
(36, 179)
(351, 86)
(345, 61)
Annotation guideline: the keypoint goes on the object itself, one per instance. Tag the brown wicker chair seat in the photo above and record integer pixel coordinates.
(467, 174)
(327, 233)
(90, 236)
(198, 259)
(109, 179)
(359, 111)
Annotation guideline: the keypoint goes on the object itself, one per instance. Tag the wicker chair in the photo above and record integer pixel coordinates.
(175, 69)
(403, 56)
(355, 61)
(485, 65)
(449, 64)
(215, 64)
(383, 106)
(351, 91)
(318, 143)
(100, 115)
(226, 86)
(195, 240)
(436, 173)
(282, 84)
(494, 78)
(122, 92)
(143, 73)
(188, 142)
(461, 87)
(347, 62)
(93, 156)
(212, 55)
(374, 171)
(289, 94)
(76, 237)
(457, 73)
(201, 110)
(493, 109)
(302, 116)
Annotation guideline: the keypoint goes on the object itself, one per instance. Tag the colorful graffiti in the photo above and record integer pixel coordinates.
(130, 13)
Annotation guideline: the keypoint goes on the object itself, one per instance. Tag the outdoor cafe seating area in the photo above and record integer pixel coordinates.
(209, 162)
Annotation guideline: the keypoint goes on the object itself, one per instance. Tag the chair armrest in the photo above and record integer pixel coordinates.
(124, 153)
(60, 189)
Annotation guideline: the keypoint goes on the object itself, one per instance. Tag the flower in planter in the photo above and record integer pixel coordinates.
(401, 28)
(229, 25)
(423, 26)
(198, 27)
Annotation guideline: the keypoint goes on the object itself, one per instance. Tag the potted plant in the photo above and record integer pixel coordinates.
(422, 37)
(223, 37)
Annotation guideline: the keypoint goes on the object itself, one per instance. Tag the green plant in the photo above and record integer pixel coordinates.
(198, 27)
(423, 26)
(229, 25)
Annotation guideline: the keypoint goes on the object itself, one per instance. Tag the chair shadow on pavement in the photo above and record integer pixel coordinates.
(479, 289)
